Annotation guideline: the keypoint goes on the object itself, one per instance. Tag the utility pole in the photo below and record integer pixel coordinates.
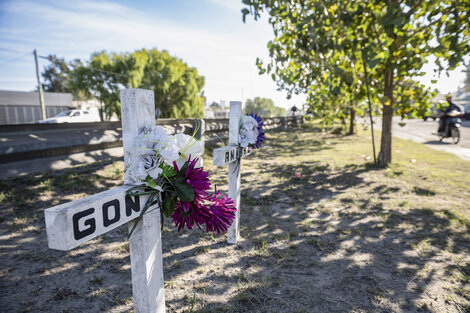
(41, 94)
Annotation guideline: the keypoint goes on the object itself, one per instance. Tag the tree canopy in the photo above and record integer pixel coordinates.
(263, 107)
(319, 44)
(177, 87)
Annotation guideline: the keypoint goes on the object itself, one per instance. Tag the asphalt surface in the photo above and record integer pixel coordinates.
(421, 131)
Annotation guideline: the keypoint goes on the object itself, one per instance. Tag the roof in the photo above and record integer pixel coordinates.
(9, 97)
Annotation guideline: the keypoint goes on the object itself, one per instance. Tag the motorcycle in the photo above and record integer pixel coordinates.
(452, 127)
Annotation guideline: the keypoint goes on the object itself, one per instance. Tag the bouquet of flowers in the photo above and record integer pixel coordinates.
(251, 131)
(169, 169)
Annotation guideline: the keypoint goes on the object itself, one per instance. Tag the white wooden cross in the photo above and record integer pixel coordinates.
(70, 224)
(230, 155)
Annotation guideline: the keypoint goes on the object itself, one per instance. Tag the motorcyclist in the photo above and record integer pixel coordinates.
(444, 117)
(294, 109)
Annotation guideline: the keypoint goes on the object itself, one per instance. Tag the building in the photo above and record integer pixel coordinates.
(215, 112)
(20, 107)
(462, 98)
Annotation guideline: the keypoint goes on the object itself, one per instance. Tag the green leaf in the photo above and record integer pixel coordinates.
(151, 183)
(184, 191)
(373, 63)
(245, 12)
(183, 169)
(168, 170)
(169, 202)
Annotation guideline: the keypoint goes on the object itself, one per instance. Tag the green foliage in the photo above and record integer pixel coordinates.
(263, 107)
(177, 87)
(215, 105)
(58, 77)
(321, 46)
(102, 78)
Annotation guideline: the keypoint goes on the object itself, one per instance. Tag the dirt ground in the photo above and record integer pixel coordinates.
(322, 230)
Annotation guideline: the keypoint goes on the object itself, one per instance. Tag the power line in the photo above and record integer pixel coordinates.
(47, 58)
(93, 69)
(11, 50)
(14, 59)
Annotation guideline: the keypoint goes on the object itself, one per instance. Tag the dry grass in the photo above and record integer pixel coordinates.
(345, 236)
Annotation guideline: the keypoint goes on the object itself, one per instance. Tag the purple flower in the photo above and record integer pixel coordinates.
(260, 139)
(197, 214)
(198, 179)
(222, 213)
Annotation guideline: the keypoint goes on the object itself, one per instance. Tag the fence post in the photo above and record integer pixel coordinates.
(199, 128)
(283, 123)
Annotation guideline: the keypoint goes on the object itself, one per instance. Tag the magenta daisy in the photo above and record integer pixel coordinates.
(198, 179)
(222, 213)
(198, 214)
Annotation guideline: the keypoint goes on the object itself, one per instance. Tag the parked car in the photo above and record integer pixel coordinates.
(73, 116)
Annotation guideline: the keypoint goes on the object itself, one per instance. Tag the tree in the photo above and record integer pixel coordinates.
(58, 76)
(263, 107)
(393, 37)
(102, 78)
(177, 87)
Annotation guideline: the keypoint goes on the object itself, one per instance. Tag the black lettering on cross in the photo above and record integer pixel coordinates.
(132, 205)
(91, 223)
(117, 212)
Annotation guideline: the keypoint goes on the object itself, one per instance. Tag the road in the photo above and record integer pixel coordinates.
(420, 131)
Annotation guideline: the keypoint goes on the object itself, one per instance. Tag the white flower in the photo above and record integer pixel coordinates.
(248, 131)
(158, 140)
(189, 146)
(145, 165)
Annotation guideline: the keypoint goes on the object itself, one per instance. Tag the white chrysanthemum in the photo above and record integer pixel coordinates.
(248, 131)
(145, 165)
(152, 147)
(158, 140)
(189, 146)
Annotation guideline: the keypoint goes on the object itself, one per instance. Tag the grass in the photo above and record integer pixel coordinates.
(306, 238)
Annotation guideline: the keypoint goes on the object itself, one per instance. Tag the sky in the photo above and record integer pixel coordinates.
(207, 34)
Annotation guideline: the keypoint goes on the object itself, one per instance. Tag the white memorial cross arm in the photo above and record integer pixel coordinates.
(71, 224)
(229, 154)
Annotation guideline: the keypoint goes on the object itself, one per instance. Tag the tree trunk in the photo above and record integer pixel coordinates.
(352, 118)
(385, 155)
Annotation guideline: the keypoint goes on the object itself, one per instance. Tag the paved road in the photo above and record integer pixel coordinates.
(420, 131)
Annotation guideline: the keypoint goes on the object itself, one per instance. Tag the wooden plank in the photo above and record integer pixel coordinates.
(233, 233)
(228, 154)
(71, 224)
(145, 243)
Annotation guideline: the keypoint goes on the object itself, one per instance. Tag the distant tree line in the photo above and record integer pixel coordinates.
(177, 86)
(263, 107)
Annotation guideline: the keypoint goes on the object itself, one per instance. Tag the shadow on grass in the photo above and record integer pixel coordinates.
(321, 241)
(437, 142)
